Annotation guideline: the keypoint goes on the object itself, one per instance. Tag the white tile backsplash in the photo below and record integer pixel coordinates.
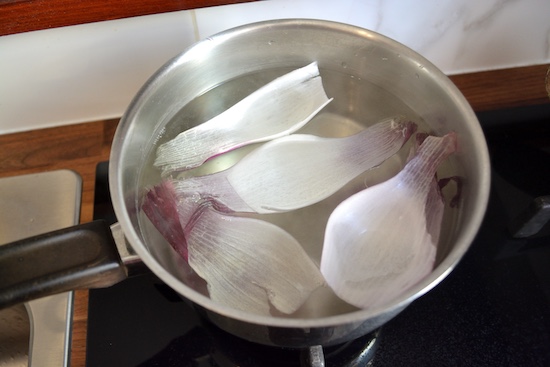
(464, 36)
(92, 71)
(458, 36)
(86, 72)
(216, 19)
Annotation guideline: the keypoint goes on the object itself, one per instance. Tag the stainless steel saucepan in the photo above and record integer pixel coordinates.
(368, 75)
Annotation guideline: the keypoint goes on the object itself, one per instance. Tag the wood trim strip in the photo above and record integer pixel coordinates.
(504, 88)
(17, 16)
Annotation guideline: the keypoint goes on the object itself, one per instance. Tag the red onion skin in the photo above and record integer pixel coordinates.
(160, 206)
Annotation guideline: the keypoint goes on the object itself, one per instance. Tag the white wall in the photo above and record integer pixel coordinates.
(91, 71)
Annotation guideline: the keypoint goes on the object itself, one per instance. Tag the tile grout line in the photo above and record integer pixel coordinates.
(195, 25)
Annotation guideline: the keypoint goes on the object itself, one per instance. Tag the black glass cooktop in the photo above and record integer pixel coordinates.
(492, 310)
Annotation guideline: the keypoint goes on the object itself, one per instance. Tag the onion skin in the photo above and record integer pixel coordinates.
(298, 170)
(380, 242)
(248, 264)
(161, 207)
(277, 109)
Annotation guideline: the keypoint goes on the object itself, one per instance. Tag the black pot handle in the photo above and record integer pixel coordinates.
(82, 256)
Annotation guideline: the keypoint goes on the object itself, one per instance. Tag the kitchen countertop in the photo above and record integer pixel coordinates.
(80, 147)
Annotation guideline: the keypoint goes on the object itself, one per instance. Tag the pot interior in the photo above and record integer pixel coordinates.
(370, 78)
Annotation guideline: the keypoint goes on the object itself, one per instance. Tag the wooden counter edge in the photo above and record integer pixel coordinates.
(18, 16)
(80, 147)
(504, 88)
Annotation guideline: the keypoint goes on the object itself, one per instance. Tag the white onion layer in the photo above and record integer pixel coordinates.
(250, 264)
(377, 242)
(298, 170)
(277, 109)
